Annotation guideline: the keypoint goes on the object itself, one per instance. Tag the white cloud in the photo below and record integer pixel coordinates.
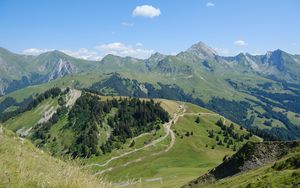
(126, 24)
(257, 53)
(35, 51)
(123, 50)
(210, 4)
(146, 11)
(84, 53)
(222, 51)
(240, 43)
(116, 48)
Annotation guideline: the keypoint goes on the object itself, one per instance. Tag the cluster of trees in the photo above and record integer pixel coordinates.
(230, 136)
(85, 117)
(53, 92)
(262, 133)
(89, 113)
(236, 111)
(229, 131)
(134, 117)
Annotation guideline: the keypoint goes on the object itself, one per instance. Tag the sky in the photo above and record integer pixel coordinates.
(90, 29)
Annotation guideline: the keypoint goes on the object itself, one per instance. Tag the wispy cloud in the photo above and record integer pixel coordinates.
(127, 24)
(240, 43)
(139, 44)
(35, 51)
(84, 53)
(146, 11)
(121, 49)
(222, 51)
(116, 48)
(210, 4)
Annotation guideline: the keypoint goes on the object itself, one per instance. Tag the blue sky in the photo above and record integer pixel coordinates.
(90, 29)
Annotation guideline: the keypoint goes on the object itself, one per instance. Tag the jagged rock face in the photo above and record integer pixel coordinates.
(275, 59)
(250, 156)
(154, 60)
(62, 68)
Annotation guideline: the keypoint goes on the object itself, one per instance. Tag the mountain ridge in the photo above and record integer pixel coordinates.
(232, 86)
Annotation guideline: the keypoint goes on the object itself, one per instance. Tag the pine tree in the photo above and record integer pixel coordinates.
(132, 144)
(234, 148)
(197, 120)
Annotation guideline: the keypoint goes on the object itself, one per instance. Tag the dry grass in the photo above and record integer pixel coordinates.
(23, 165)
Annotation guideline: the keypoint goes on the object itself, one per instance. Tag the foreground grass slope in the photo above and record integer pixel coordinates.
(23, 165)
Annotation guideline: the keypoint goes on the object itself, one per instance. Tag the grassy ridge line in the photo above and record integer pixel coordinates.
(157, 175)
(23, 165)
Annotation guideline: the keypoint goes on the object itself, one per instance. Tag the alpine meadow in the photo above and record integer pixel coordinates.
(149, 93)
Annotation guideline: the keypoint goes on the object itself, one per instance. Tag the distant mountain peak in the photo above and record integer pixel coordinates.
(53, 52)
(157, 55)
(201, 50)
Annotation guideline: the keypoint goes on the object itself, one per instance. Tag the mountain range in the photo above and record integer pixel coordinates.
(168, 120)
(260, 91)
(24, 70)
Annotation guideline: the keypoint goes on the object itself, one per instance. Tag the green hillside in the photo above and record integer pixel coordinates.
(84, 125)
(172, 161)
(23, 165)
(253, 91)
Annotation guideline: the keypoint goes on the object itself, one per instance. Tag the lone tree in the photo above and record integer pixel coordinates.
(132, 144)
(187, 134)
(197, 120)
(234, 148)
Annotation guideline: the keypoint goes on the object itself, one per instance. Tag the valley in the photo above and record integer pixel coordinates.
(161, 124)
(177, 146)
(247, 89)
(149, 94)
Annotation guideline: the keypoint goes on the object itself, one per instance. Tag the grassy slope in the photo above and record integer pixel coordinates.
(23, 165)
(186, 160)
(201, 84)
(71, 81)
(30, 118)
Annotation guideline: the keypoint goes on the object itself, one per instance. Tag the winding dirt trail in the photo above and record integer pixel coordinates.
(168, 131)
(167, 127)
